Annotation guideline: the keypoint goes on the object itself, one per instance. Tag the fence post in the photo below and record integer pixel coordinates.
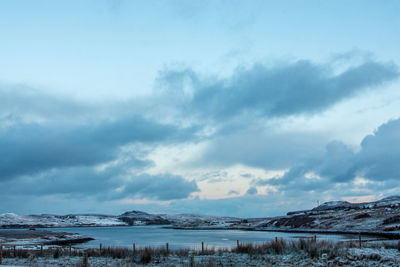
(202, 247)
(86, 261)
(101, 246)
(41, 250)
(237, 244)
(192, 260)
(15, 251)
(134, 247)
(359, 239)
(167, 247)
(276, 239)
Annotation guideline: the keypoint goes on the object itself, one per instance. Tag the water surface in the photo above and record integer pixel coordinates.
(157, 236)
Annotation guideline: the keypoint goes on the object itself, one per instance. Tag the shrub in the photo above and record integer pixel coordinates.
(146, 255)
(361, 216)
(57, 253)
(390, 220)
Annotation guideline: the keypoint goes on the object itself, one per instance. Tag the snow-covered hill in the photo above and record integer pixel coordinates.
(49, 220)
(381, 215)
(197, 220)
(142, 218)
(11, 220)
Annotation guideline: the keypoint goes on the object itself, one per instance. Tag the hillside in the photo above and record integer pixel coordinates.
(381, 215)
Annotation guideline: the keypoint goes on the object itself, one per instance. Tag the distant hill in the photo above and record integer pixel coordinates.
(382, 215)
(131, 218)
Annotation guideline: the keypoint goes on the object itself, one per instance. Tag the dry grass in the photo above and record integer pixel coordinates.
(309, 247)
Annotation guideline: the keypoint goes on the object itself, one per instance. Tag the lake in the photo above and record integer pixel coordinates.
(157, 236)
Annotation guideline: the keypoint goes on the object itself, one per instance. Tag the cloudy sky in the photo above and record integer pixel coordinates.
(241, 108)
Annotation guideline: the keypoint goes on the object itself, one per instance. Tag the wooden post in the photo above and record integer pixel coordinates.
(15, 251)
(41, 250)
(86, 261)
(101, 246)
(1, 254)
(134, 247)
(315, 238)
(192, 260)
(70, 250)
(276, 239)
(167, 247)
(202, 247)
(237, 244)
(359, 239)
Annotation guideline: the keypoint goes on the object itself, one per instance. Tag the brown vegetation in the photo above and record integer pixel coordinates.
(310, 247)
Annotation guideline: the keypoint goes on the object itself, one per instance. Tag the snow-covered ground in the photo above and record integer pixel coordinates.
(350, 257)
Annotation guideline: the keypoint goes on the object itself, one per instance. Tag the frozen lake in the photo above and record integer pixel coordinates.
(157, 236)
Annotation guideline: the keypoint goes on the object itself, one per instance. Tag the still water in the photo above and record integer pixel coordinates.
(156, 236)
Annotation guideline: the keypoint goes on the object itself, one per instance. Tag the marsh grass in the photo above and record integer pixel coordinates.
(308, 246)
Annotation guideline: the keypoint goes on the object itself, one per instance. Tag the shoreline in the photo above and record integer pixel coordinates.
(388, 235)
(39, 235)
(19, 237)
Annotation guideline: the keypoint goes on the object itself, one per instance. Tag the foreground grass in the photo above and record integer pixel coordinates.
(308, 248)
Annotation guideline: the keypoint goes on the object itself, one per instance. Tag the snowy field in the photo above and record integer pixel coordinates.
(352, 257)
(274, 253)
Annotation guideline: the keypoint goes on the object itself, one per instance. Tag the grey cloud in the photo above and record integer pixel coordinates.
(22, 100)
(295, 88)
(161, 187)
(380, 153)
(295, 180)
(233, 192)
(73, 182)
(338, 162)
(377, 161)
(105, 185)
(60, 146)
(214, 176)
(251, 191)
(262, 148)
(77, 181)
(31, 148)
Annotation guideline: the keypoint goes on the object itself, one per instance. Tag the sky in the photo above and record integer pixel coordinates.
(237, 108)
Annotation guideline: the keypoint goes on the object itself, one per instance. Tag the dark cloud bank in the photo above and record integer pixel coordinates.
(37, 159)
(377, 160)
(298, 88)
(32, 148)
